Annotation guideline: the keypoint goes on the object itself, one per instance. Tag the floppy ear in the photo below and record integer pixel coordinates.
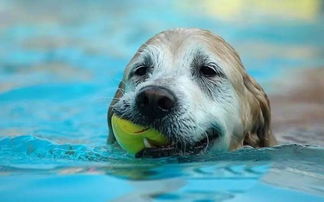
(259, 133)
(120, 91)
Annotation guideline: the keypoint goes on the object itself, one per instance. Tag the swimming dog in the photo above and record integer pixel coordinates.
(190, 85)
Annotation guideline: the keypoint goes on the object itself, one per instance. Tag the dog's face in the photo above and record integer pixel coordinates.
(191, 86)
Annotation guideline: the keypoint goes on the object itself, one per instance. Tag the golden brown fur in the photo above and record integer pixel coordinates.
(254, 106)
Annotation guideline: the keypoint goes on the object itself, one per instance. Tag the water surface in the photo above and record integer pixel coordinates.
(61, 62)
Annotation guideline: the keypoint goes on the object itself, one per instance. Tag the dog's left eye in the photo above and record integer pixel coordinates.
(141, 70)
(208, 71)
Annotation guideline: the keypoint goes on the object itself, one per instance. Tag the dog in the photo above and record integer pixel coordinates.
(190, 85)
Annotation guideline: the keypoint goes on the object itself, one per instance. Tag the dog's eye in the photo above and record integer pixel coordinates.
(141, 71)
(208, 71)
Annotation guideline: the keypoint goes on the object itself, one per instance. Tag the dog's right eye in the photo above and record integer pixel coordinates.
(208, 71)
(141, 70)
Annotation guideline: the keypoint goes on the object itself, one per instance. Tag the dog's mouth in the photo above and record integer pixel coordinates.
(177, 149)
(178, 145)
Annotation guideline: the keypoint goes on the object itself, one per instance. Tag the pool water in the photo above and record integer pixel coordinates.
(61, 62)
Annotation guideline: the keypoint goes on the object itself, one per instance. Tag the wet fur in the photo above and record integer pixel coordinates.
(253, 126)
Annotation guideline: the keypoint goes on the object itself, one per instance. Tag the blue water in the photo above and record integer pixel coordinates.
(61, 62)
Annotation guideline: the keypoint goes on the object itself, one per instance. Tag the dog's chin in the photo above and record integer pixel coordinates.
(180, 149)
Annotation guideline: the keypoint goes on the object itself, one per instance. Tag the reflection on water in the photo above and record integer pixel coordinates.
(246, 174)
(234, 9)
(61, 61)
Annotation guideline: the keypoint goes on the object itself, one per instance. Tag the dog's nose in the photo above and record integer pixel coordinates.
(155, 101)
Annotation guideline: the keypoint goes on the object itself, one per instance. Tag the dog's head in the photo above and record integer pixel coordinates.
(190, 85)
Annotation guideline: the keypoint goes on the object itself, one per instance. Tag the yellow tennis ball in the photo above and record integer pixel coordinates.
(133, 138)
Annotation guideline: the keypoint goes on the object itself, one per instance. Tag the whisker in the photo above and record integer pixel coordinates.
(207, 138)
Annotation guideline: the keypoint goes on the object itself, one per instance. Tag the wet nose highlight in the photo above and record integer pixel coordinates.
(155, 101)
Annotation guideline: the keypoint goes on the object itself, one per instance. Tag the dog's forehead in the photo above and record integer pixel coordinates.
(175, 49)
(172, 48)
(180, 43)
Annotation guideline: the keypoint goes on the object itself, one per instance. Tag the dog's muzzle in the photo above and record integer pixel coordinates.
(155, 102)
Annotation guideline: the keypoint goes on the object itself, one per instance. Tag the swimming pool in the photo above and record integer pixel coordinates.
(60, 63)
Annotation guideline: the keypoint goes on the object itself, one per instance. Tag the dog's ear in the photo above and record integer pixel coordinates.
(120, 91)
(259, 133)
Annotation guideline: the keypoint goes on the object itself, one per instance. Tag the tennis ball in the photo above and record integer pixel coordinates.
(134, 138)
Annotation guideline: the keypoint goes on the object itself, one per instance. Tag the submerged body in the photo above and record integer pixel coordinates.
(191, 86)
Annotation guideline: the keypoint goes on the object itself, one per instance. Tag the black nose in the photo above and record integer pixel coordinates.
(155, 101)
